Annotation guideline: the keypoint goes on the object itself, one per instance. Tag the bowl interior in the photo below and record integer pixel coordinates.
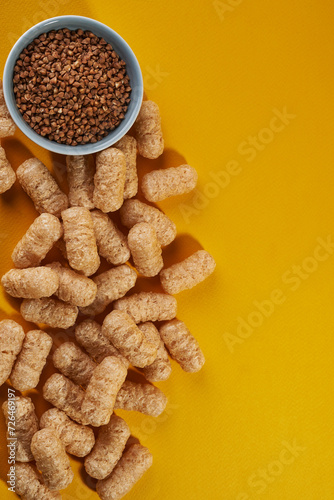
(120, 47)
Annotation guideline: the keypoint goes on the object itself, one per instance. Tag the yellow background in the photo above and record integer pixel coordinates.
(217, 73)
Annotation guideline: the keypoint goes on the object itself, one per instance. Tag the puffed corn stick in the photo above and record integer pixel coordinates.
(31, 360)
(123, 333)
(80, 177)
(11, 340)
(77, 439)
(148, 131)
(182, 346)
(74, 288)
(134, 211)
(25, 423)
(144, 398)
(131, 467)
(100, 396)
(128, 146)
(108, 449)
(7, 174)
(73, 363)
(38, 240)
(33, 283)
(89, 335)
(29, 484)
(148, 306)
(145, 249)
(109, 180)
(66, 396)
(51, 459)
(111, 285)
(158, 185)
(51, 312)
(38, 183)
(188, 273)
(7, 125)
(161, 368)
(79, 368)
(111, 242)
(80, 240)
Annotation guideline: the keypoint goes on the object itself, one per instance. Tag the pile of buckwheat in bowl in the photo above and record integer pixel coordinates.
(71, 86)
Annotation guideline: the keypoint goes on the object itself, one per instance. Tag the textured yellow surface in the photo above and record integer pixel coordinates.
(245, 90)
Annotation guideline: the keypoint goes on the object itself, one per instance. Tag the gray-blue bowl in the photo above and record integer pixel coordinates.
(121, 48)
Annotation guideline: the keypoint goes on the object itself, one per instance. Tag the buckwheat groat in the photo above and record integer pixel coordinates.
(24, 425)
(11, 340)
(161, 184)
(108, 449)
(145, 249)
(182, 346)
(80, 177)
(148, 306)
(77, 439)
(111, 242)
(38, 240)
(42, 188)
(80, 240)
(148, 131)
(161, 368)
(111, 285)
(29, 484)
(131, 467)
(51, 459)
(66, 396)
(109, 180)
(74, 288)
(100, 396)
(7, 125)
(7, 174)
(144, 398)
(31, 360)
(52, 312)
(73, 363)
(134, 211)
(124, 334)
(128, 146)
(188, 273)
(89, 335)
(33, 283)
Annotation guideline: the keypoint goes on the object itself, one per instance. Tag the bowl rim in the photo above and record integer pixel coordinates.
(81, 149)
